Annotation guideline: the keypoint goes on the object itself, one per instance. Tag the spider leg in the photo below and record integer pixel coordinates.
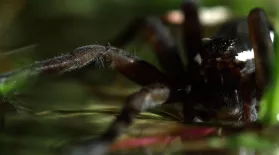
(165, 49)
(247, 86)
(130, 66)
(262, 46)
(148, 97)
(129, 33)
(192, 34)
(263, 51)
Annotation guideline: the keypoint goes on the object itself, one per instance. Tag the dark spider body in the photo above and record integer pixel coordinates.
(219, 83)
(223, 71)
(216, 79)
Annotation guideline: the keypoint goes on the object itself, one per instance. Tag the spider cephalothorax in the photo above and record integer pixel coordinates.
(219, 49)
(223, 65)
(217, 77)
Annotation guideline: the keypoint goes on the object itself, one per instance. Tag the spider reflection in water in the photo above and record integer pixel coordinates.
(217, 76)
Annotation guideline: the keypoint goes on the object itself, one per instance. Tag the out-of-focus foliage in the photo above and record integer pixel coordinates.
(270, 107)
(54, 111)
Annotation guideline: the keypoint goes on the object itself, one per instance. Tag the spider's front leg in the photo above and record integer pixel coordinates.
(259, 32)
(148, 97)
(130, 66)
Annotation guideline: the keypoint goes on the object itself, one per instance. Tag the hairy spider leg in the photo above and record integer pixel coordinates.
(129, 33)
(262, 45)
(148, 97)
(263, 52)
(135, 69)
(166, 50)
(164, 45)
(130, 66)
(192, 34)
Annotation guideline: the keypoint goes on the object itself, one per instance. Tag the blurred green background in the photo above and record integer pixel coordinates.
(79, 105)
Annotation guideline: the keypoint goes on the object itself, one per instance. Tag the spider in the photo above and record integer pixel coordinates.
(217, 76)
